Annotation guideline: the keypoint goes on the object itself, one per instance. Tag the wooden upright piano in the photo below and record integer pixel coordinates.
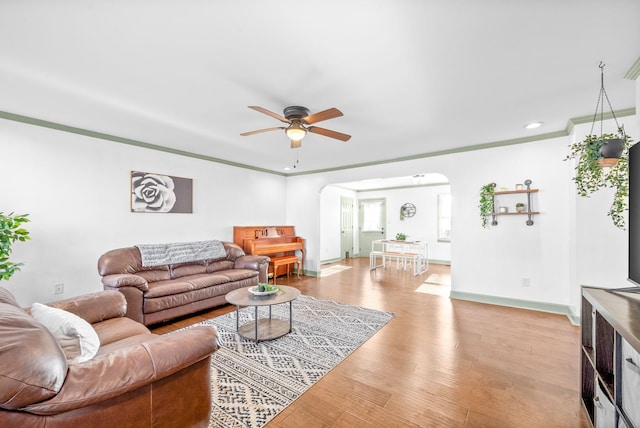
(274, 241)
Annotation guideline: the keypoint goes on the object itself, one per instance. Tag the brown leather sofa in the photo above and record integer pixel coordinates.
(160, 293)
(137, 379)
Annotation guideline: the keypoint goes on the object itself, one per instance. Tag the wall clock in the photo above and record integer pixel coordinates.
(407, 210)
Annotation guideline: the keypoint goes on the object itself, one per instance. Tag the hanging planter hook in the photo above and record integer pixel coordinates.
(600, 106)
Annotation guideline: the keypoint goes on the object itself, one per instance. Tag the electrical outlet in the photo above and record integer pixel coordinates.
(58, 288)
(526, 282)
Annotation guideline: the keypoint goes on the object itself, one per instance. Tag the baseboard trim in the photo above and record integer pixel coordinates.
(325, 262)
(517, 303)
(337, 259)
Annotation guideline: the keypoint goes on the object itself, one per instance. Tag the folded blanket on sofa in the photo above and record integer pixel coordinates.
(180, 252)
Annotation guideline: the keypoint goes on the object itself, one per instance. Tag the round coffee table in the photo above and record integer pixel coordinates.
(263, 328)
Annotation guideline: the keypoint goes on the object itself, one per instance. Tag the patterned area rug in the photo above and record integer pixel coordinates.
(251, 383)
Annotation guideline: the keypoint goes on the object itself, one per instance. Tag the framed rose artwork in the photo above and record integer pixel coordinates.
(157, 193)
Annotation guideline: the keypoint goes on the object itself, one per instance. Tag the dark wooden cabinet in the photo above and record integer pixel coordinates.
(610, 357)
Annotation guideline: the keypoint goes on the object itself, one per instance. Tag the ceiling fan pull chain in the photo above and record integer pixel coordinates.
(295, 164)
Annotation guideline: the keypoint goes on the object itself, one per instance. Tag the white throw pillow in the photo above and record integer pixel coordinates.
(76, 337)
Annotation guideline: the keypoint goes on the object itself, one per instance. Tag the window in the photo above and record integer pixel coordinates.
(372, 215)
(444, 217)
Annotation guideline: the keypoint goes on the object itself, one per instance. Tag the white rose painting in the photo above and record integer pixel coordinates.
(156, 193)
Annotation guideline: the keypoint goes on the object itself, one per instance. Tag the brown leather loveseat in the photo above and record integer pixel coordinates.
(160, 292)
(136, 379)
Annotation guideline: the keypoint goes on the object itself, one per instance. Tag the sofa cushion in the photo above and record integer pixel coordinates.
(76, 337)
(164, 303)
(238, 274)
(206, 280)
(233, 251)
(116, 329)
(216, 266)
(155, 274)
(22, 340)
(168, 288)
(125, 342)
(186, 269)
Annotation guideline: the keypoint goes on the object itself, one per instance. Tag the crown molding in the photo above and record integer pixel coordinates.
(108, 137)
(634, 71)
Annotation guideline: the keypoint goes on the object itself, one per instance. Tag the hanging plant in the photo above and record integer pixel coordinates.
(486, 202)
(11, 230)
(603, 161)
(590, 176)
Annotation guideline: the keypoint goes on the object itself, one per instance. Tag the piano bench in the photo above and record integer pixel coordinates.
(287, 261)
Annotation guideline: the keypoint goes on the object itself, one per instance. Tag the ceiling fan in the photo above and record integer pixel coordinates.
(299, 120)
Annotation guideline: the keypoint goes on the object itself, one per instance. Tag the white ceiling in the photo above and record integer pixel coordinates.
(412, 77)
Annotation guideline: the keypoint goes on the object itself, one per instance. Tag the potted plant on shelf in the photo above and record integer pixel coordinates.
(486, 202)
(400, 236)
(11, 230)
(520, 207)
(594, 169)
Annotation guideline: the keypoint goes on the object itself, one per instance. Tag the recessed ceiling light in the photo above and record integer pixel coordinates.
(286, 168)
(533, 125)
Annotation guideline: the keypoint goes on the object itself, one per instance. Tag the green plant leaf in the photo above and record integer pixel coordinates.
(11, 230)
(590, 177)
(486, 202)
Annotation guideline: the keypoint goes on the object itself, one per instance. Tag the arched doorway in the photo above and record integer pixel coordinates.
(429, 193)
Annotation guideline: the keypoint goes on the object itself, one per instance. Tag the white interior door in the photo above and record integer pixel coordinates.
(346, 227)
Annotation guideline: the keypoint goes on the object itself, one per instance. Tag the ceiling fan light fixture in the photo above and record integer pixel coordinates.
(296, 131)
(300, 122)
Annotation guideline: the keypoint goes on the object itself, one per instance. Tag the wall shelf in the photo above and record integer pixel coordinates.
(511, 192)
(522, 213)
(528, 191)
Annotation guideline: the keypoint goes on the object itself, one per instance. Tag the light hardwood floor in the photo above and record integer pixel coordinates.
(439, 362)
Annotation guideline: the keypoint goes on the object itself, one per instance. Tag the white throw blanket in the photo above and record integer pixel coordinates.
(180, 252)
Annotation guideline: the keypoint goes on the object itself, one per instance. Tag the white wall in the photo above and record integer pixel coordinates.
(556, 254)
(330, 228)
(76, 190)
(601, 248)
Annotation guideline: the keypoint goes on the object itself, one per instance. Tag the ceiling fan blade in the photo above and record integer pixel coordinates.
(322, 115)
(259, 131)
(296, 143)
(270, 113)
(329, 133)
